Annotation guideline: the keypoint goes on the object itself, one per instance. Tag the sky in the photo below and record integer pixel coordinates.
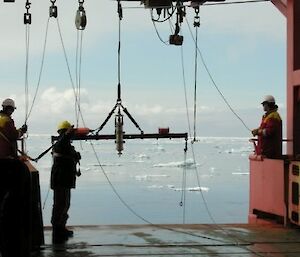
(244, 47)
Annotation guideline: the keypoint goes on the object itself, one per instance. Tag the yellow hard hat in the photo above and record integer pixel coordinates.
(64, 125)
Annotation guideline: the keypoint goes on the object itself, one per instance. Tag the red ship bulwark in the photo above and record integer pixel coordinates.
(274, 184)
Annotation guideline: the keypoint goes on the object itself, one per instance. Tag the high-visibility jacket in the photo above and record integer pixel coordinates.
(8, 137)
(270, 135)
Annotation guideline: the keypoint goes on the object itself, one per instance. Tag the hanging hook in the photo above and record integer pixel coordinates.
(80, 18)
(53, 12)
(27, 15)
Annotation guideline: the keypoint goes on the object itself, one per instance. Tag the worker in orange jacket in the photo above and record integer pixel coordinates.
(8, 132)
(270, 130)
(14, 189)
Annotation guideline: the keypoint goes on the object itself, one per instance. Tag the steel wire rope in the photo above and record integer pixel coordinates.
(234, 237)
(41, 70)
(195, 83)
(69, 70)
(27, 42)
(138, 215)
(183, 189)
(79, 47)
(156, 30)
(72, 84)
(214, 83)
(109, 181)
(106, 176)
(76, 78)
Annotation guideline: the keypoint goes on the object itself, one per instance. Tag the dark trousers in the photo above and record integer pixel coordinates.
(61, 206)
(15, 202)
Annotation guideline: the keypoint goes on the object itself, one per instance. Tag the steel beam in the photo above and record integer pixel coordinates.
(126, 136)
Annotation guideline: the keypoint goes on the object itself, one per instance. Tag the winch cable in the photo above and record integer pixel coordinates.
(110, 183)
(156, 30)
(27, 22)
(196, 25)
(213, 81)
(69, 70)
(79, 48)
(235, 238)
(183, 187)
(114, 188)
(41, 70)
(138, 215)
(27, 42)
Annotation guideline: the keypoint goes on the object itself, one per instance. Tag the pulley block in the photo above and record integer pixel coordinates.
(27, 18)
(53, 11)
(80, 19)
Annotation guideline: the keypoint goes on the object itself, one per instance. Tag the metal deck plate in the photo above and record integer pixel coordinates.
(176, 240)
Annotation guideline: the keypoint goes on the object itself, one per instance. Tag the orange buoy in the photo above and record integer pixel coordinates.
(81, 131)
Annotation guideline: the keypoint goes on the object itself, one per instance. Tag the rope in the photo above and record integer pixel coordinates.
(183, 189)
(119, 47)
(27, 42)
(235, 239)
(214, 83)
(41, 70)
(156, 30)
(138, 215)
(79, 47)
(105, 174)
(69, 70)
(195, 85)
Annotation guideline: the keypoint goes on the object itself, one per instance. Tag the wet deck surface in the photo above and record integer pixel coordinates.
(176, 240)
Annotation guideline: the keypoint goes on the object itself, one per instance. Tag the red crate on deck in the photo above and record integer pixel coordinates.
(163, 131)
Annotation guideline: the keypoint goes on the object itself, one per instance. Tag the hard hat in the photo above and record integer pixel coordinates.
(64, 125)
(9, 102)
(268, 99)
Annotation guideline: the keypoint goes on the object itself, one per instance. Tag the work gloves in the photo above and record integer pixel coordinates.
(24, 129)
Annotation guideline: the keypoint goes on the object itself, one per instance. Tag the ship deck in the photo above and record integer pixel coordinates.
(176, 240)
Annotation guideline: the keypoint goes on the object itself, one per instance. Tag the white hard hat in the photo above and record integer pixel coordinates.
(9, 102)
(268, 99)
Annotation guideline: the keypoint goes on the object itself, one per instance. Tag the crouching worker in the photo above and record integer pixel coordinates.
(63, 178)
(14, 188)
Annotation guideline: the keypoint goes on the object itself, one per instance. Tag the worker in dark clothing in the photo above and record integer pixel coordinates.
(63, 178)
(14, 189)
(270, 131)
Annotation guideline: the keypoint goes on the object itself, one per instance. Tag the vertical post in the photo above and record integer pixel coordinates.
(293, 77)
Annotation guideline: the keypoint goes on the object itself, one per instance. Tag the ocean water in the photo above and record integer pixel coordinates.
(146, 183)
